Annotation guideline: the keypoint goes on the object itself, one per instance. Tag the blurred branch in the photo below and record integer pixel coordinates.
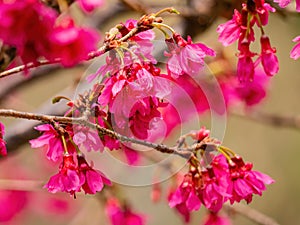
(250, 213)
(271, 119)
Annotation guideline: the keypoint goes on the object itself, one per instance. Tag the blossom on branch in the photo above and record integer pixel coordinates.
(295, 53)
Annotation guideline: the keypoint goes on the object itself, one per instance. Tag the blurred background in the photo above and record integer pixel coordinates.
(273, 149)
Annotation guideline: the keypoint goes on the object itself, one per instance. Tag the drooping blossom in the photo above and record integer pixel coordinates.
(262, 10)
(68, 178)
(252, 93)
(94, 179)
(122, 214)
(268, 58)
(285, 3)
(295, 52)
(215, 219)
(3, 151)
(186, 56)
(215, 181)
(231, 30)
(245, 181)
(71, 43)
(18, 29)
(51, 141)
(90, 5)
(185, 198)
(245, 67)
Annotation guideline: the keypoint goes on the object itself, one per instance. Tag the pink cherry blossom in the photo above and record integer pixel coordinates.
(295, 53)
(94, 179)
(215, 182)
(215, 219)
(70, 43)
(284, 3)
(262, 10)
(268, 58)
(185, 198)
(90, 5)
(119, 215)
(3, 151)
(245, 181)
(50, 140)
(68, 178)
(231, 30)
(18, 30)
(186, 56)
(245, 67)
(252, 93)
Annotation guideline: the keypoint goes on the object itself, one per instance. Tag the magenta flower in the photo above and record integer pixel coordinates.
(295, 53)
(284, 3)
(90, 5)
(185, 198)
(231, 30)
(17, 28)
(49, 140)
(87, 138)
(3, 151)
(245, 67)
(187, 57)
(215, 219)
(215, 182)
(68, 178)
(245, 181)
(268, 58)
(252, 93)
(72, 44)
(94, 180)
(262, 10)
(122, 215)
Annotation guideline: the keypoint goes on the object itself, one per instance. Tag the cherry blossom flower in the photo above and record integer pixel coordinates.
(295, 53)
(94, 179)
(70, 43)
(215, 219)
(68, 178)
(245, 67)
(231, 30)
(90, 5)
(186, 56)
(122, 215)
(262, 10)
(268, 58)
(252, 93)
(285, 3)
(3, 151)
(185, 198)
(245, 181)
(17, 28)
(50, 140)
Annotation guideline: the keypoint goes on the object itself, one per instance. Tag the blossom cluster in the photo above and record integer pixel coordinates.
(58, 37)
(214, 184)
(240, 28)
(131, 94)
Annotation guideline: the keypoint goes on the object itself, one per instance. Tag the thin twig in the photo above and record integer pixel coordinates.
(250, 213)
(183, 152)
